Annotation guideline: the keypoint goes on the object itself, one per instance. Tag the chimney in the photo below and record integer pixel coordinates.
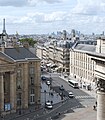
(26, 45)
(16, 47)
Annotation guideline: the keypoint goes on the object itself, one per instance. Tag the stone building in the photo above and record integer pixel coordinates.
(57, 52)
(19, 79)
(82, 67)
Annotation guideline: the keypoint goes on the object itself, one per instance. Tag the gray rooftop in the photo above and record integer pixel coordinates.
(86, 47)
(20, 53)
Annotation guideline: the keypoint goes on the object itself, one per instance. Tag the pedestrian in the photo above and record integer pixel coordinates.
(94, 107)
(51, 93)
(59, 113)
(96, 103)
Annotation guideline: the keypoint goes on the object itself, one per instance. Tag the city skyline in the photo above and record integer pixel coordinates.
(47, 16)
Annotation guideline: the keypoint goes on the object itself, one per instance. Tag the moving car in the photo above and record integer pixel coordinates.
(71, 95)
(48, 105)
(48, 82)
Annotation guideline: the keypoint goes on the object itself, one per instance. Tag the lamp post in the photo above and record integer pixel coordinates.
(45, 95)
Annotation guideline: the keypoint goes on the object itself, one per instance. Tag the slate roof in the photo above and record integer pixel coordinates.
(86, 47)
(20, 53)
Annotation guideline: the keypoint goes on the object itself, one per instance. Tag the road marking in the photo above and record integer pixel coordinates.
(84, 97)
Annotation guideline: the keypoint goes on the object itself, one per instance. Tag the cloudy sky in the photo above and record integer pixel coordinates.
(47, 16)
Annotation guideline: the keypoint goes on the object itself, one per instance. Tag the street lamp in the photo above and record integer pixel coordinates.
(45, 95)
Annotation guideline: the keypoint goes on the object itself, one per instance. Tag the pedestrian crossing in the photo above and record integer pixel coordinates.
(84, 97)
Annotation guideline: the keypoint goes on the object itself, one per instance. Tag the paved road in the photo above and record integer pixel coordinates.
(68, 106)
(81, 114)
(79, 94)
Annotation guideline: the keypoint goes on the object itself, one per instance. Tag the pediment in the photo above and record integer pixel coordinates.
(4, 61)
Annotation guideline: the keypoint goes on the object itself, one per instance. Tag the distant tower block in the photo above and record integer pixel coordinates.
(73, 33)
(102, 32)
(4, 30)
(64, 35)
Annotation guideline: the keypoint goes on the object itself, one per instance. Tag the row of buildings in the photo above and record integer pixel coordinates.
(72, 57)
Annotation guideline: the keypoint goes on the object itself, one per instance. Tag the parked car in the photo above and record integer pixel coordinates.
(43, 78)
(71, 95)
(48, 105)
(61, 87)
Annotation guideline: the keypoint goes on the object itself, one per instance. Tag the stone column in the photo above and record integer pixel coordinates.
(37, 83)
(101, 100)
(25, 86)
(13, 90)
(1, 93)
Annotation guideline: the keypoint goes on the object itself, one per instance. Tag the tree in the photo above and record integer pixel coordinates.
(29, 40)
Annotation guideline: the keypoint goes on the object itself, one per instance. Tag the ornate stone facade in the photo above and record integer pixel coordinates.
(19, 84)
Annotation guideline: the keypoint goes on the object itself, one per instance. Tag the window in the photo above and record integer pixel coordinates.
(32, 81)
(32, 99)
(18, 73)
(32, 91)
(18, 84)
(32, 70)
(19, 99)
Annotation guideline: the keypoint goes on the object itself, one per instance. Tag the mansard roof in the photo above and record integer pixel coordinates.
(86, 47)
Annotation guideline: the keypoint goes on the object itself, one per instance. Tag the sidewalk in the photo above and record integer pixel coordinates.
(45, 96)
(81, 114)
(86, 113)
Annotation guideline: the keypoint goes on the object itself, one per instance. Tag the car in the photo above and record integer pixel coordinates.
(43, 78)
(61, 87)
(48, 82)
(71, 95)
(48, 105)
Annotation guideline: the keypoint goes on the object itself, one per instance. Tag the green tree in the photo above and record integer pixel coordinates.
(29, 40)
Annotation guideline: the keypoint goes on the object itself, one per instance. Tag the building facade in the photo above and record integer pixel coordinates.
(19, 79)
(82, 67)
(56, 52)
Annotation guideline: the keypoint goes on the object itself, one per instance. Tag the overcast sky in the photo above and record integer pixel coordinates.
(47, 16)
